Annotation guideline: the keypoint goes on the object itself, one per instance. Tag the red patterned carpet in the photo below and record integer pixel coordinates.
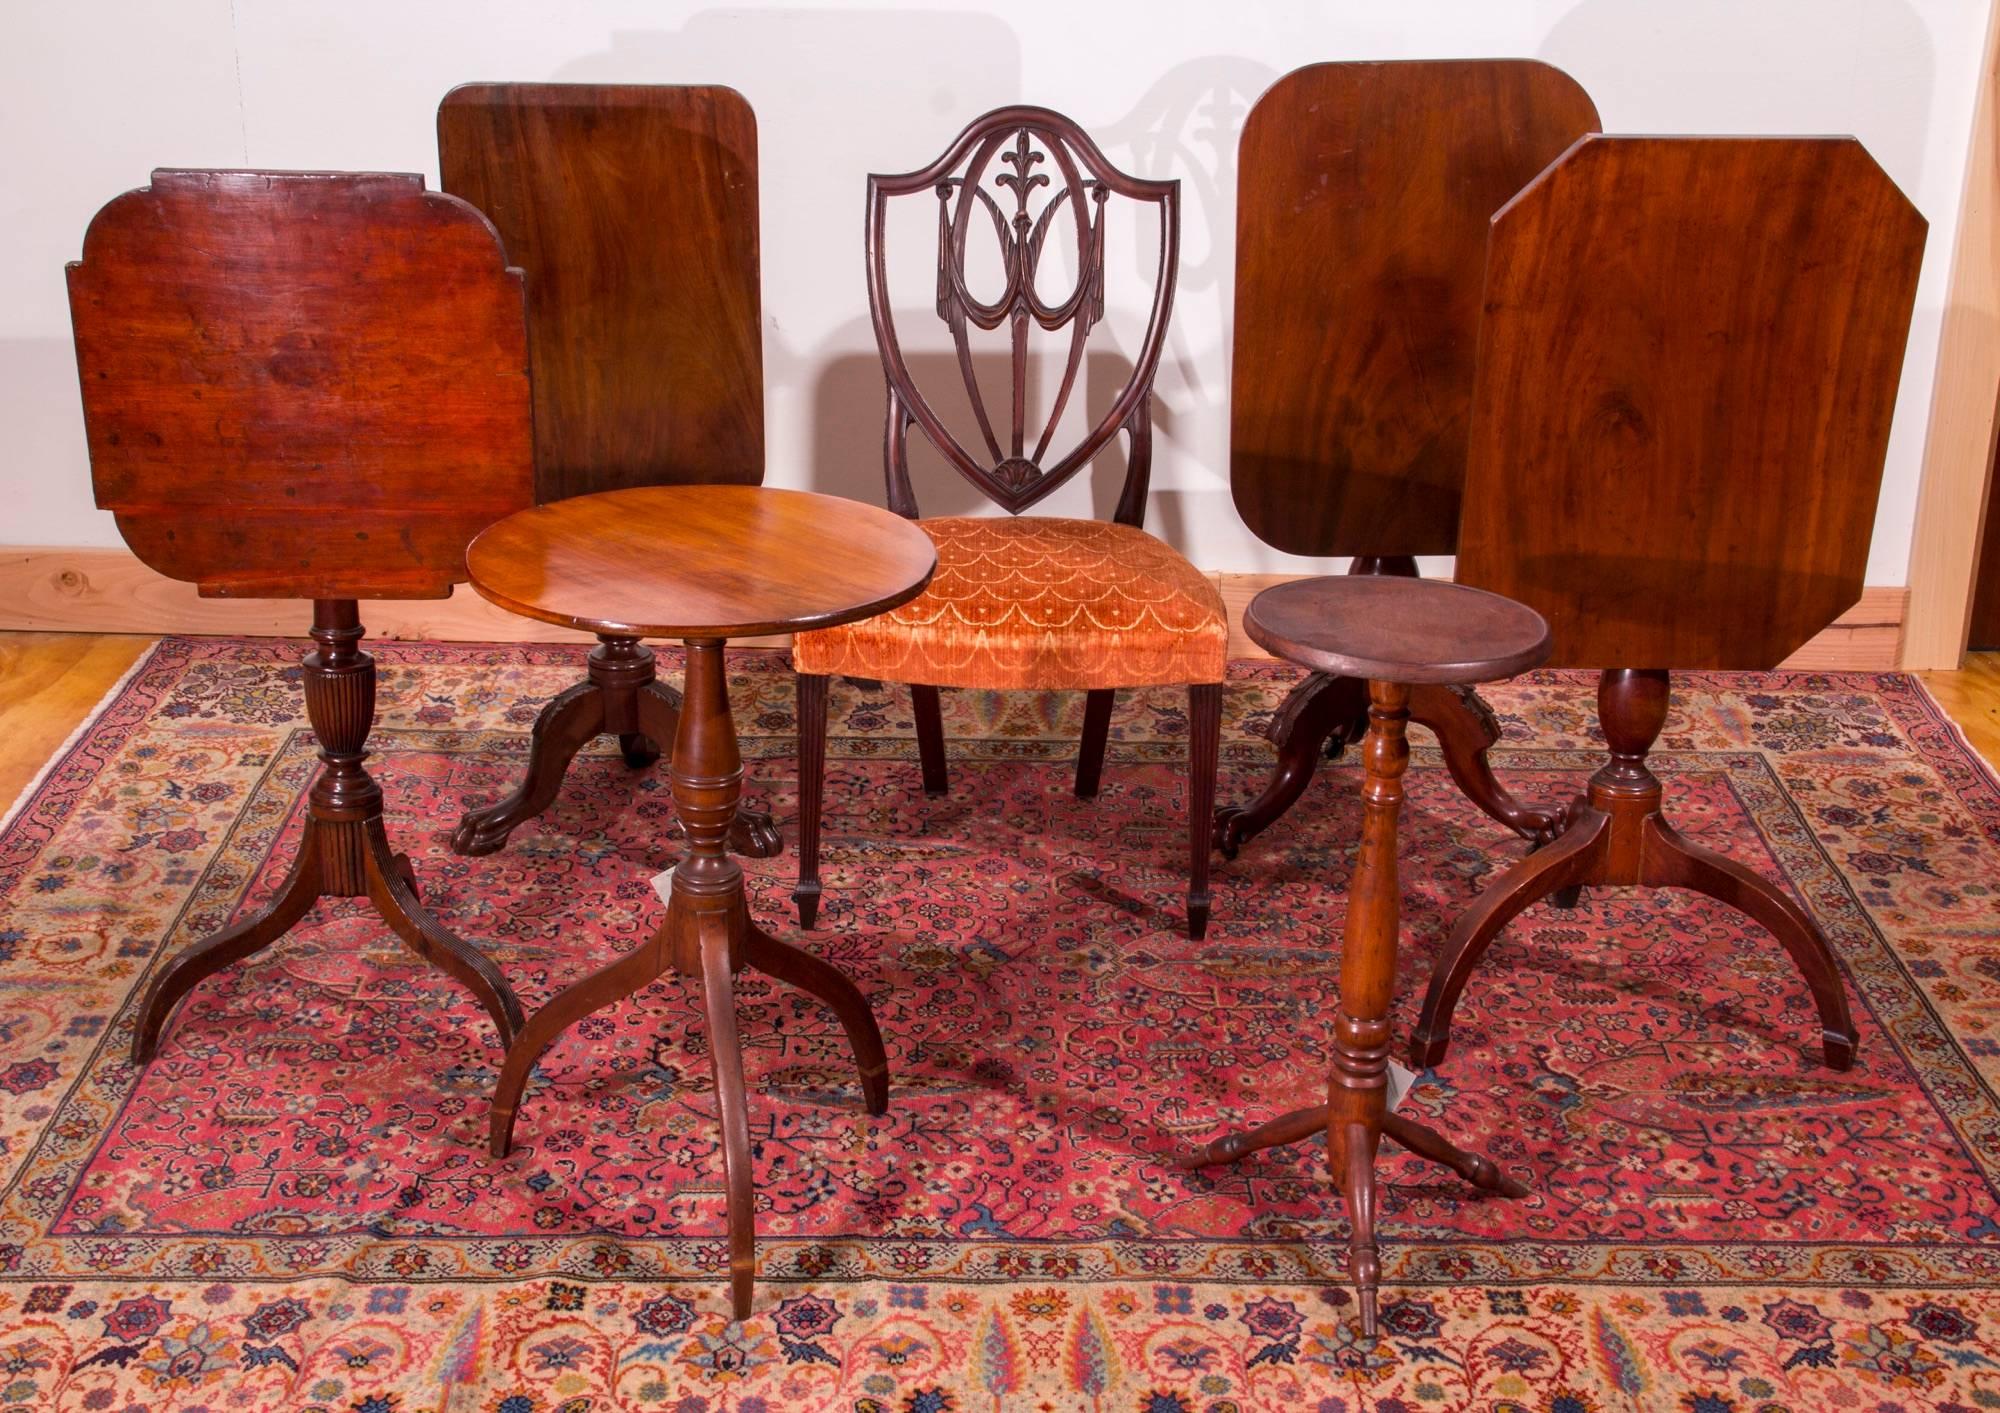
(292, 1208)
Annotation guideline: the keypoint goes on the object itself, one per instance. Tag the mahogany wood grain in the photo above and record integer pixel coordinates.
(301, 385)
(307, 385)
(1363, 193)
(1380, 628)
(1455, 637)
(1679, 482)
(701, 562)
(633, 210)
(1688, 479)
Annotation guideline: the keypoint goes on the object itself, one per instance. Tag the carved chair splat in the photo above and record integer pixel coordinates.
(1114, 607)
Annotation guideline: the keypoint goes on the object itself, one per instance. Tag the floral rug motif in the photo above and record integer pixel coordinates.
(292, 1206)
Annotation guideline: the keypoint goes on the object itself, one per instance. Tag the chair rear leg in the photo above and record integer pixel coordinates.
(1204, 749)
(812, 791)
(930, 738)
(1096, 729)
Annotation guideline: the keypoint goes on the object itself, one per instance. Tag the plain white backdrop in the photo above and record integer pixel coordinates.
(95, 93)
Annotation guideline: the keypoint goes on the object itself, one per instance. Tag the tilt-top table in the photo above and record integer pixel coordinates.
(703, 564)
(1394, 634)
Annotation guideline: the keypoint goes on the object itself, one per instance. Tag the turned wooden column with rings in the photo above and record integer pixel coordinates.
(1393, 634)
(703, 564)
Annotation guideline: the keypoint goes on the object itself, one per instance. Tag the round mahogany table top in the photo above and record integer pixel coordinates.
(1391, 628)
(701, 561)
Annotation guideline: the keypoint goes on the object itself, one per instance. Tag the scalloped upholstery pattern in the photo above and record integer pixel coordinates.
(1038, 603)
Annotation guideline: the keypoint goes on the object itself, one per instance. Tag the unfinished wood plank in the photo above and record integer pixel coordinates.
(1958, 447)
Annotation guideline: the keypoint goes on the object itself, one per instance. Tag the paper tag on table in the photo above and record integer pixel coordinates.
(1400, 1081)
(663, 884)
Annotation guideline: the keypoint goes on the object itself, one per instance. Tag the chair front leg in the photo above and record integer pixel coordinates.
(1096, 730)
(812, 791)
(1204, 749)
(930, 738)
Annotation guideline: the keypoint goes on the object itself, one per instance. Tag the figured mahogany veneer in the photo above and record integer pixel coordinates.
(1687, 368)
(1363, 198)
(1043, 593)
(633, 209)
(307, 385)
(703, 564)
(1391, 633)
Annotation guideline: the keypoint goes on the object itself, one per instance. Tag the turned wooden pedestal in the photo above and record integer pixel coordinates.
(1615, 835)
(702, 564)
(344, 852)
(1393, 634)
(307, 385)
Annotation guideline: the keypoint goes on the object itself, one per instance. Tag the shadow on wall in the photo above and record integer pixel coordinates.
(932, 73)
(1864, 67)
(825, 119)
(851, 399)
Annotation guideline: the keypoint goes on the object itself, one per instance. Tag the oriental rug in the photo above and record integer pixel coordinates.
(292, 1208)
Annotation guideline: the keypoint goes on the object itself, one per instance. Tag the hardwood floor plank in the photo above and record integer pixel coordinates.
(48, 683)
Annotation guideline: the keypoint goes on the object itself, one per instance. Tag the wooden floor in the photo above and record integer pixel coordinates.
(50, 681)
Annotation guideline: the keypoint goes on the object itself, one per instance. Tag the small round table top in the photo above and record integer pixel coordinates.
(701, 561)
(1391, 628)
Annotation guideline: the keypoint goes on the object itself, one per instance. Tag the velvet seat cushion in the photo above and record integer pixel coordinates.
(1038, 602)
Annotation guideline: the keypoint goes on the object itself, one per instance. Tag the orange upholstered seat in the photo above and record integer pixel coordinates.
(1038, 603)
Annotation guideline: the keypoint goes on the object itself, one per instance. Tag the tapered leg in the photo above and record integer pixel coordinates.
(800, 968)
(1466, 730)
(1319, 709)
(389, 889)
(1274, 1133)
(1090, 751)
(1568, 861)
(1350, 1150)
(571, 721)
(812, 791)
(1204, 747)
(1674, 862)
(725, 1058)
(227, 947)
(929, 714)
(1477, 1169)
(606, 986)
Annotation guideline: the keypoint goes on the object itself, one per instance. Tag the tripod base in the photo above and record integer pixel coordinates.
(707, 935)
(1326, 714)
(623, 697)
(1616, 836)
(344, 854)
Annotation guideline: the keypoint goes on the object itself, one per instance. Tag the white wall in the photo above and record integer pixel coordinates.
(94, 93)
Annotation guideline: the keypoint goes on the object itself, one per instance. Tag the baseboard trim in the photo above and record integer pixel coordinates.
(70, 590)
